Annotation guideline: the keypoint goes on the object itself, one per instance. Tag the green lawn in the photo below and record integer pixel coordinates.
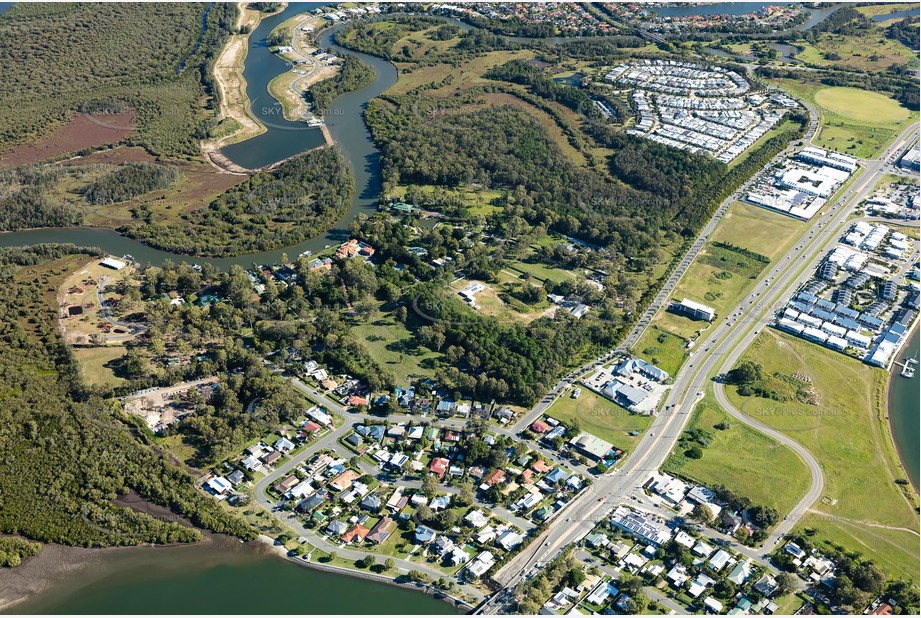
(601, 417)
(661, 348)
(846, 125)
(743, 460)
(93, 363)
(758, 229)
(847, 431)
(390, 344)
(861, 105)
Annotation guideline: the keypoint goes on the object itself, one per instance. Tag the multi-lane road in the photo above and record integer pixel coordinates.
(717, 353)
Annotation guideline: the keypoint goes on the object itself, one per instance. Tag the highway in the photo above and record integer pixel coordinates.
(717, 353)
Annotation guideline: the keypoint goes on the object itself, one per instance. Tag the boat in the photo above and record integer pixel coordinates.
(314, 122)
(305, 254)
(908, 369)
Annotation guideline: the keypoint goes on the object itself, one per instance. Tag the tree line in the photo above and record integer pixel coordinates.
(71, 455)
(297, 200)
(129, 181)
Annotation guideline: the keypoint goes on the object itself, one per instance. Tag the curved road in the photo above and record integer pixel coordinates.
(737, 331)
(818, 478)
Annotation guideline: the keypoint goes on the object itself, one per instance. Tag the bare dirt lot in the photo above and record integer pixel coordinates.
(82, 319)
(161, 407)
(81, 131)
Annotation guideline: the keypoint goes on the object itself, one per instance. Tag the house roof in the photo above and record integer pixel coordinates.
(439, 465)
(381, 530)
(357, 531)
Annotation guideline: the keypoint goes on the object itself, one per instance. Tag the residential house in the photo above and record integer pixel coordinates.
(498, 476)
(719, 560)
(476, 519)
(509, 540)
(251, 463)
(371, 503)
(482, 563)
(218, 485)
(344, 480)
(355, 533)
(438, 466)
(424, 535)
(381, 530)
(284, 486)
(336, 528)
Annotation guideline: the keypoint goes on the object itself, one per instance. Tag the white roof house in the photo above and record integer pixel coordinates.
(476, 519)
(219, 485)
(719, 560)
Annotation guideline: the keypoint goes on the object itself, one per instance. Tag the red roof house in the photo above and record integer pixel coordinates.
(439, 466)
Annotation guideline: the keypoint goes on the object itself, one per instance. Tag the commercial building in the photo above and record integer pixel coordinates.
(693, 310)
(638, 525)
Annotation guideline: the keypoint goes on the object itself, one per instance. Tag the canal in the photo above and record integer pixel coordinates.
(905, 410)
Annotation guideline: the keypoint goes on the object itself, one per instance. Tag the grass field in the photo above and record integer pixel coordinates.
(601, 418)
(861, 105)
(743, 460)
(758, 229)
(93, 365)
(848, 129)
(390, 344)
(885, 9)
(870, 52)
(847, 432)
(662, 348)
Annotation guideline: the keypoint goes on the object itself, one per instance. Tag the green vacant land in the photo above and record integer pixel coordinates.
(601, 417)
(739, 457)
(93, 365)
(734, 259)
(712, 282)
(662, 348)
(847, 125)
(863, 509)
(392, 345)
(861, 105)
(758, 229)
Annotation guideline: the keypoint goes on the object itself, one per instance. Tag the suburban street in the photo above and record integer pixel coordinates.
(730, 338)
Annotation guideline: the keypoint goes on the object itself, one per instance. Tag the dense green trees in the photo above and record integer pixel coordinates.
(144, 58)
(13, 549)
(906, 31)
(300, 198)
(129, 181)
(66, 456)
(24, 200)
(353, 75)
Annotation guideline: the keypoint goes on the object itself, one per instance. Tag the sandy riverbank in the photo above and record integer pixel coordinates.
(234, 107)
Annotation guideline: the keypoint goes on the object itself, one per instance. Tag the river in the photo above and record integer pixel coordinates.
(221, 577)
(226, 577)
(281, 140)
(741, 8)
(905, 411)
